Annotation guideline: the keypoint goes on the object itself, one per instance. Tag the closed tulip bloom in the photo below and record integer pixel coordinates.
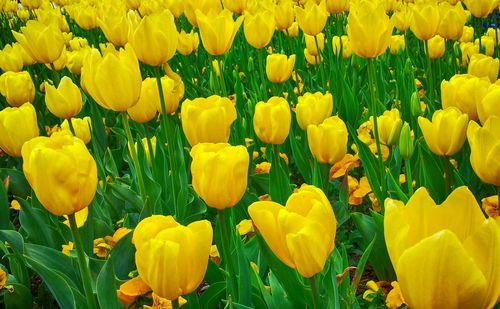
(342, 43)
(217, 31)
(81, 126)
(487, 45)
(17, 126)
(389, 127)
(188, 42)
(301, 234)
(173, 92)
(425, 19)
(397, 44)
(489, 104)
(436, 46)
(259, 28)
(154, 38)
(219, 173)
(235, 6)
(446, 134)
(337, 6)
(74, 62)
(313, 108)
(115, 25)
(485, 149)
(312, 18)
(44, 43)
(65, 101)
(61, 172)
(425, 246)
(369, 28)
(11, 58)
(284, 15)
(312, 59)
(207, 120)
(172, 258)
(17, 88)
(468, 50)
(467, 34)
(465, 92)
(311, 43)
(84, 14)
(481, 9)
(328, 140)
(484, 66)
(113, 81)
(452, 22)
(147, 106)
(279, 67)
(271, 120)
(204, 6)
(402, 18)
(176, 7)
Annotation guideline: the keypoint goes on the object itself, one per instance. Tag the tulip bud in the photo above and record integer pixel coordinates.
(389, 127)
(415, 106)
(204, 6)
(81, 127)
(17, 126)
(425, 19)
(219, 173)
(397, 44)
(271, 120)
(337, 6)
(188, 42)
(313, 108)
(17, 88)
(279, 68)
(217, 30)
(467, 34)
(312, 18)
(485, 149)
(436, 47)
(65, 101)
(259, 28)
(11, 58)
(84, 14)
(406, 142)
(147, 106)
(341, 43)
(402, 18)
(114, 24)
(452, 22)
(328, 140)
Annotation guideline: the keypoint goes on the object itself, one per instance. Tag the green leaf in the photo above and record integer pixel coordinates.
(106, 287)
(18, 296)
(300, 158)
(362, 263)
(279, 181)
(123, 256)
(5, 223)
(211, 298)
(13, 238)
(18, 184)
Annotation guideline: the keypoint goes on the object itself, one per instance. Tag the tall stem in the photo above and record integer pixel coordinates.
(314, 292)
(409, 178)
(447, 175)
(320, 62)
(226, 253)
(82, 263)
(221, 78)
(175, 304)
(262, 74)
(430, 77)
(71, 128)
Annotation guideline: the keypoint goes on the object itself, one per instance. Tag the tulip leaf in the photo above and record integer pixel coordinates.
(362, 263)
(18, 185)
(300, 158)
(279, 298)
(123, 256)
(211, 298)
(430, 173)
(244, 280)
(106, 287)
(279, 181)
(5, 223)
(14, 239)
(18, 297)
(36, 224)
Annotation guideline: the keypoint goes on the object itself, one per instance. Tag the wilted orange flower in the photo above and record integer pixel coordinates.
(395, 298)
(347, 163)
(163, 303)
(66, 249)
(358, 190)
(263, 168)
(214, 254)
(102, 246)
(131, 290)
(490, 206)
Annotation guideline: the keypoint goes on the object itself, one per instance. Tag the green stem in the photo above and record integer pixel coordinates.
(277, 167)
(262, 74)
(498, 195)
(221, 78)
(314, 292)
(133, 152)
(226, 253)
(175, 304)
(71, 128)
(55, 75)
(320, 62)
(409, 178)
(430, 77)
(82, 262)
(373, 110)
(447, 174)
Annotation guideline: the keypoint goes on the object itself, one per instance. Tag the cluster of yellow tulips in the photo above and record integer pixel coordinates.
(249, 154)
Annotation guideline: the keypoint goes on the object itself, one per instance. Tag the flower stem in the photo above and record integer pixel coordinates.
(314, 292)
(320, 63)
(262, 74)
(175, 304)
(82, 262)
(430, 77)
(71, 128)
(409, 179)
(221, 78)
(226, 253)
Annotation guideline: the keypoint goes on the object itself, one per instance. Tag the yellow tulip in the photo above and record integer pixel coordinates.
(114, 24)
(207, 120)
(271, 120)
(467, 34)
(167, 247)
(468, 50)
(44, 43)
(342, 43)
(482, 8)
(84, 14)
(188, 42)
(436, 46)
(259, 28)
(465, 92)
(146, 107)
(484, 66)
(487, 45)
(204, 6)
(425, 19)
(17, 126)
(81, 127)
(301, 234)
(61, 172)
(425, 246)
(293, 31)
(485, 149)
(75, 60)
(284, 15)
(328, 140)
(311, 43)
(337, 6)
(313, 108)
(369, 28)
(235, 6)
(217, 30)
(452, 20)
(154, 38)
(113, 80)
(312, 18)
(489, 106)
(176, 7)
(219, 173)
(402, 18)
(279, 67)
(389, 127)
(17, 88)
(446, 134)
(397, 44)
(11, 58)
(147, 150)
(65, 101)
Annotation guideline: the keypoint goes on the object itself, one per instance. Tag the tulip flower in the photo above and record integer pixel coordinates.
(312, 19)
(328, 140)
(446, 134)
(452, 20)
(337, 6)
(389, 127)
(17, 126)
(11, 58)
(188, 42)
(425, 246)
(207, 120)
(146, 108)
(271, 120)
(489, 104)
(485, 149)
(17, 88)
(467, 34)
(481, 9)
(61, 172)
(425, 19)
(342, 44)
(284, 15)
(81, 126)
(204, 6)
(259, 28)
(172, 258)
(65, 101)
(311, 44)
(217, 30)
(113, 80)
(219, 173)
(397, 44)
(301, 234)
(402, 18)
(436, 47)
(313, 108)
(465, 92)
(114, 24)
(483, 66)
(44, 43)
(84, 14)
(279, 67)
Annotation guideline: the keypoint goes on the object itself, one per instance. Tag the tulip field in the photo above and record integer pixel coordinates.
(249, 154)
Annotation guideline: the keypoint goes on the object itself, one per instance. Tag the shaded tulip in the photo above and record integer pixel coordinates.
(481, 9)
(293, 31)
(467, 34)
(147, 106)
(115, 25)
(113, 80)
(342, 44)
(489, 106)
(397, 44)
(312, 19)
(75, 59)
(65, 101)
(313, 108)
(389, 127)
(61, 172)
(402, 18)
(337, 6)
(17, 126)
(312, 59)
(164, 246)
(84, 14)
(436, 46)
(446, 134)
(301, 234)
(81, 126)
(188, 42)
(311, 43)
(17, 88)
(11, 58)
(219, 173)
(465, 92)
(485, 149)
(328, 140)
(176, 7)
(406, 146)
(207, 120)
(484, 66)
(259, 28)
(235, 6)
(271, 120)
(217, 30)
(204, 6)
(468, 50)
(452, 20)
(425, 19)
(487, 45)
(279, 67)
(420, 236)
(154, 38)
(284, 15)
(370, 28)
